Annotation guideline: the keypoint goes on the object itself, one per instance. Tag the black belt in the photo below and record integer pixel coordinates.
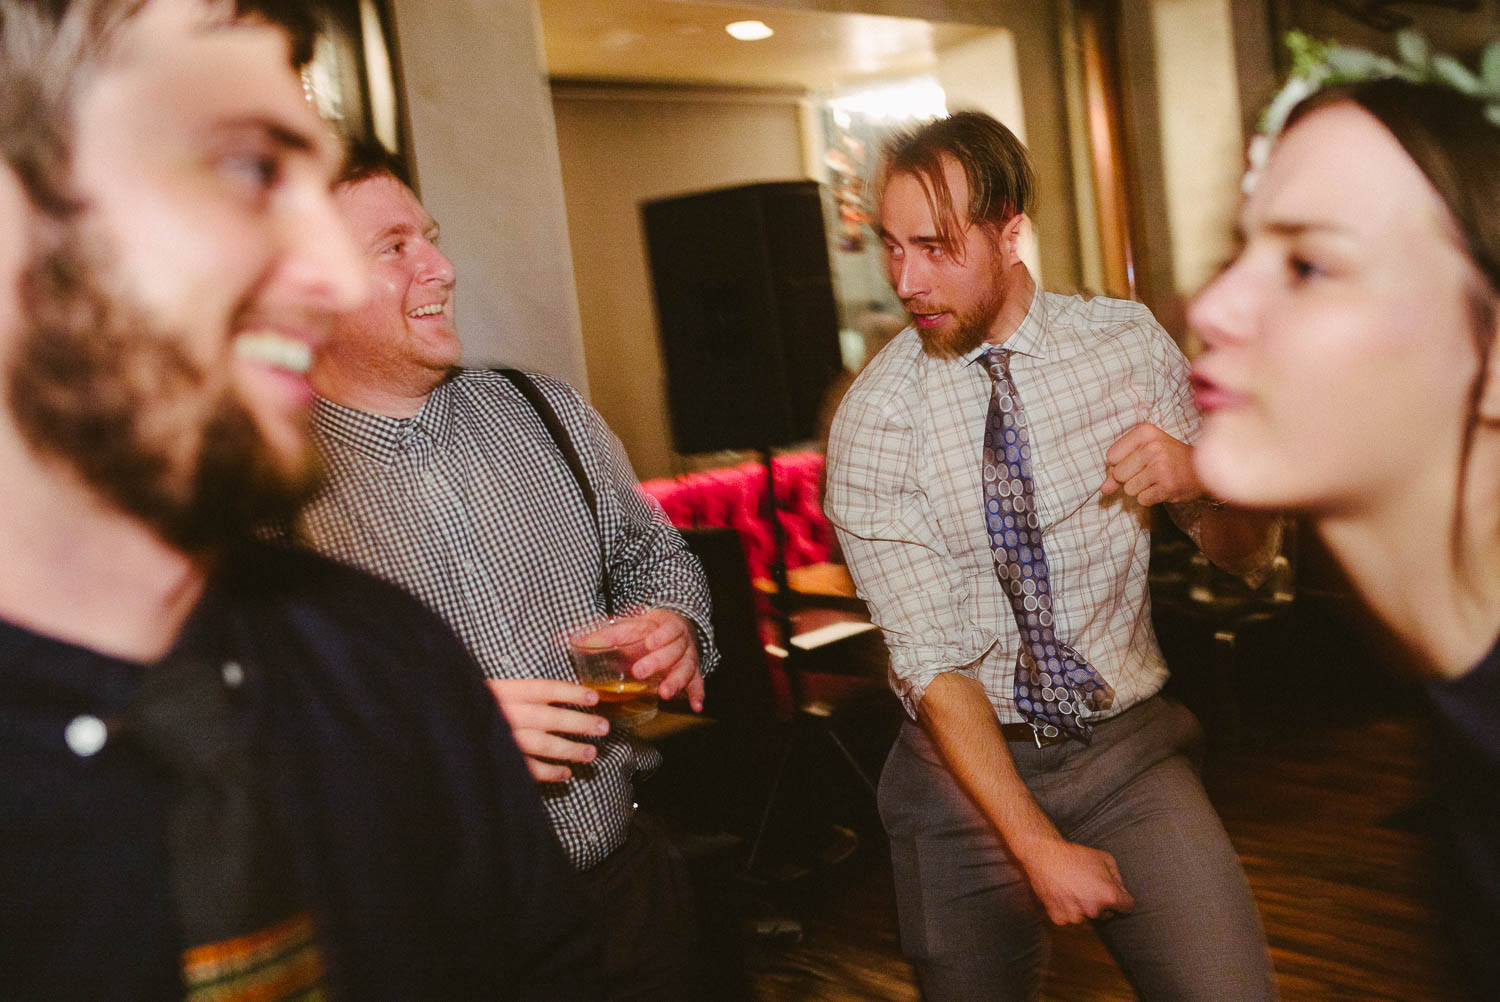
(1024, 732)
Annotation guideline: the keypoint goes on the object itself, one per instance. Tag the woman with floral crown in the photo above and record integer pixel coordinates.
(1349, 373)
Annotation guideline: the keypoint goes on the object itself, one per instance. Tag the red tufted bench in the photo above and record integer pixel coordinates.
(780, 699)
(734, 497)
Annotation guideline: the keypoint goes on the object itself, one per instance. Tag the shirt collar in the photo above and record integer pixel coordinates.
(382, 437)
(1030, 338)
(436, 414)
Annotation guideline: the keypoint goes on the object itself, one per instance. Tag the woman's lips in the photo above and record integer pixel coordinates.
(1211, 396)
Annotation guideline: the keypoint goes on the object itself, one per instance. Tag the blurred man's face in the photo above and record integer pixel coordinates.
(169, 325)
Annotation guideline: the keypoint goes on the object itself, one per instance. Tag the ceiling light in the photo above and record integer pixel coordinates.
(749, 31)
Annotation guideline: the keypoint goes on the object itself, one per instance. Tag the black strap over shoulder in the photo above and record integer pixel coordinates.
(539, 403)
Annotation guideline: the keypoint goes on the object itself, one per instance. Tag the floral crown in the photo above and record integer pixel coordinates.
(1318, 64)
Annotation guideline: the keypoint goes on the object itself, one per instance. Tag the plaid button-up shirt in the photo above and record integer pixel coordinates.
(905, 495)
(470, 506)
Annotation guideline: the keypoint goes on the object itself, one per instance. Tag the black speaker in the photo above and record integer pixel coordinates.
(744, 298)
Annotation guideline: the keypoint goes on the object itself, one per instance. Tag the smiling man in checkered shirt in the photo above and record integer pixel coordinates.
(447, 482)
(998, 820)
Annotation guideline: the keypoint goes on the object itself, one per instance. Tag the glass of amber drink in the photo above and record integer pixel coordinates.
(603, 653)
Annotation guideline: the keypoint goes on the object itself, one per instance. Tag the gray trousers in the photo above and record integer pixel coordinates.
(969, 921)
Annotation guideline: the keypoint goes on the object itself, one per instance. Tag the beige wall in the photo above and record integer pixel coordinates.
(1181, 96)
(486, 158)
(620, 146)
(1202, 151)
(983, 74)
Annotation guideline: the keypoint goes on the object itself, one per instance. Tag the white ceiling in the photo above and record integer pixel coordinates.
(672, 41)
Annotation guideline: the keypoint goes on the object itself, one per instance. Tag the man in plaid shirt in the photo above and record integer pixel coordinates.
(447, 482)
(991, 503)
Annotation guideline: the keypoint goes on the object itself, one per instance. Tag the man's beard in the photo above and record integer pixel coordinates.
(96, 384)
(968, 331)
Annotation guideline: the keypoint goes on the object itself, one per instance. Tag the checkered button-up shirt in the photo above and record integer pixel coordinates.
(470, 506)
(905, 496)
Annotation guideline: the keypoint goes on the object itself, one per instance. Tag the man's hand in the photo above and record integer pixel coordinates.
(539, 726)
(671, 655)
(1074, 882)
(1151, 466)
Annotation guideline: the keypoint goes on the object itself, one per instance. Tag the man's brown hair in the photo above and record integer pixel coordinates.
(366, 159)
(995, 163)
(48, 49)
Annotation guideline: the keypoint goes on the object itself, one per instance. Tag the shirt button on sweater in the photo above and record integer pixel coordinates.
(233, 673)
(85, 735)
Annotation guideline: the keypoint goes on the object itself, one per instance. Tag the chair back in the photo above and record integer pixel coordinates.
(739, 691)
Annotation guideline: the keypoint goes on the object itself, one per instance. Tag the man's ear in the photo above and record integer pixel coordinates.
(1013, 234)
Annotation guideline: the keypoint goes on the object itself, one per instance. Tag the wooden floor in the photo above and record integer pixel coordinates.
(1326, 822)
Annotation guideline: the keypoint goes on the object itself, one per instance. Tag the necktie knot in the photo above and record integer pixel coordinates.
(997, 361)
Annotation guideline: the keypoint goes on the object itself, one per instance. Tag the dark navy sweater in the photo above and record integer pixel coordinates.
(418, 844)
(1467, 783)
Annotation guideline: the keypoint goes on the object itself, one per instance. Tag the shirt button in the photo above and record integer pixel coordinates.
(233, 673)
(85, 735)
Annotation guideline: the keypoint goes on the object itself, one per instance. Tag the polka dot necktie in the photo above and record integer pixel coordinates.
(1055, 686)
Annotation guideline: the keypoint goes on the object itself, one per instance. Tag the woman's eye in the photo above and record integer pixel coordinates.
(255, 172)
(1302, 269)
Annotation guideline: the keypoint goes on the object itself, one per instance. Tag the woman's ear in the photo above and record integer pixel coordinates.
(1488, 406)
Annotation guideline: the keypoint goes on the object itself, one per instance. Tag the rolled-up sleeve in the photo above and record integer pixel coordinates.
(1172, 408)
(887, 529)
